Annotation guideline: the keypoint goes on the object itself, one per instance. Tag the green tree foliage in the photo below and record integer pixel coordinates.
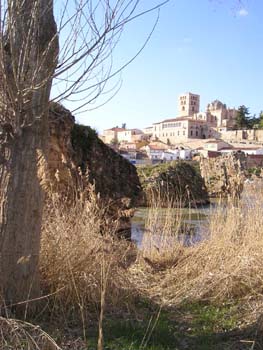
(243, 119)
(114, 142)
(260, 120)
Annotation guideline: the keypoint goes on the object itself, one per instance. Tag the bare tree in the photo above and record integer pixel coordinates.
(30, 60)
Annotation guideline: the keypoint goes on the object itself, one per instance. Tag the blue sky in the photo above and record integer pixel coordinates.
(210, 47)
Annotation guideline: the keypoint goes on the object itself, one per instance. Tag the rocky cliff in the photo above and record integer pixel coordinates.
(176, 183)
(224, 176)
(78, 158)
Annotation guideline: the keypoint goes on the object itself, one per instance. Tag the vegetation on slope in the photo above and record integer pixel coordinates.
(112, 175)
(176, 182)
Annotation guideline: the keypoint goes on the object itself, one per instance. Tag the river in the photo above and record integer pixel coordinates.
(189, 224)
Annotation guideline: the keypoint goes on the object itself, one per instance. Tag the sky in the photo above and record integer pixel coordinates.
(210, 47)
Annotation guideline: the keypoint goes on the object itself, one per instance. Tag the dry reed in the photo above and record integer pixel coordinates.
(78, 243)
(84, 264)
(159, 245)
(225, 266)
(17, 335)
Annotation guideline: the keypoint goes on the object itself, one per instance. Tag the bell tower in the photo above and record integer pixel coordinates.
(188, 104)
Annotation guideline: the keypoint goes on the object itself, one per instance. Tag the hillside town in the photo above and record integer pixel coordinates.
(190, 134)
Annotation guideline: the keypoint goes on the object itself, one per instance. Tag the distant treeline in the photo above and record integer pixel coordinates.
(245, 120)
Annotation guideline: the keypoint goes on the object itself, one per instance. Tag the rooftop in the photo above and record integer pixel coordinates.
(216, 141)
(179, 119)
(131, 130)
(157, 148)
(115, 129)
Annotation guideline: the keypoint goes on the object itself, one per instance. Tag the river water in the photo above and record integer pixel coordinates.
(189, 224)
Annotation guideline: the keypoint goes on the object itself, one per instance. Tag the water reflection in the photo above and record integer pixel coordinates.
(187, 226)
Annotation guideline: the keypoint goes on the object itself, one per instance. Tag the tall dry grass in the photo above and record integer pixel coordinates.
(165, 230)
(82, 260)
(226, 265)
(16, 335)
(84, 271)
(159, 245)
(86, 267)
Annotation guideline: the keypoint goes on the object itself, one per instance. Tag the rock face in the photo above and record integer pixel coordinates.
(78, 158)
(176, 183)
(225, 175)
(62, 175)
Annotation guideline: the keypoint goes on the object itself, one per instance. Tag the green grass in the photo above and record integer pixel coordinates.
(208, 319)
(254, 171)
(192, 326)
(153, 333)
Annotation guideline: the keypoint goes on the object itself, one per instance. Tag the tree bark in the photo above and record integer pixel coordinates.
(32, 53)
(21, 213)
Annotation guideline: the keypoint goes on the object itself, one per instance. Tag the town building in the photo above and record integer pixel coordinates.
(193, 124)
(172, 131)
(110, 135)
(155, 151)
(190, 124)
(223, 116)
(148, 130)
(188, 104)
(123, 135)
(216, 145)
(130, 135)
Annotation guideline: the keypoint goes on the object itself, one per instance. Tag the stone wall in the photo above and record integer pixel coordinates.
(77, 158)
(250, 135)
(62, 175)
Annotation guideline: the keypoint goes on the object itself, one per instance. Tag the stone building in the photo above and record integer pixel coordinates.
(130, 135)
(110, 135)
(189, 124)
(193, 124)
(223, 116)
(188, 104)
(180, 129)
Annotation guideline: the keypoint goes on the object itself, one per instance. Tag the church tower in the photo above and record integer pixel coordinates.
(188, 104)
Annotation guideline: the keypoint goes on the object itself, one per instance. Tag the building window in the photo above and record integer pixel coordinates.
(178, 133)
(193, 109)
(196, 133)
(191, 132)
(183, 108)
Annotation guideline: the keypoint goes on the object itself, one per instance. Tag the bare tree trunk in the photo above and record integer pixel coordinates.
(31, 58)
(21, 213)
